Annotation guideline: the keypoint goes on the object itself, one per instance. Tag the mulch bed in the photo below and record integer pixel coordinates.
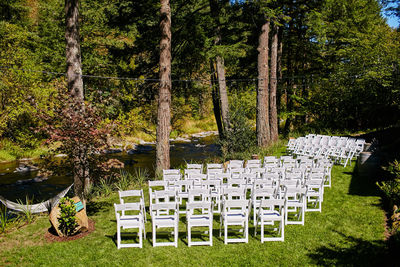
(51, 234)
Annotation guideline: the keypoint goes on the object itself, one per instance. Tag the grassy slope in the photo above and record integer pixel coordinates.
(348, 231)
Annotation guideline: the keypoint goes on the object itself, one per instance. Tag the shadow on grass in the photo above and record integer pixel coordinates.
(359, 253)
(362, 185)
(93, 208)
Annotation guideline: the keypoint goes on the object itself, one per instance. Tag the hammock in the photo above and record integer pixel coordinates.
(45, 206)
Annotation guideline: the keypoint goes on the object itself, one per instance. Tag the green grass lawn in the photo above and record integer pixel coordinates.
(349, 231)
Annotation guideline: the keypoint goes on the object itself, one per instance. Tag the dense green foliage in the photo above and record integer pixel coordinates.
(339, 65)
(67, 217)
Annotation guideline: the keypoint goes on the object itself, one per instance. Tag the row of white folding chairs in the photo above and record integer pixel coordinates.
(269, 161)
(340, 155)
(251, 174)
(235, 212)
(329, 141)
(218, 187)
(339, 149)
(268, 206)
(325, 140)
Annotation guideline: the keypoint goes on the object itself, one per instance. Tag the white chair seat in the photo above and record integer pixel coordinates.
(130, 221)
(199, 220)
(165, 221)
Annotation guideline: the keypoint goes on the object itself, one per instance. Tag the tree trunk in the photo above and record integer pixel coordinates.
(223, 93)
(216, 101)
(75, 88)
(164, 96)
(73, 50)
(262, 123)
(280, 75)
(273, 112)
(220, 68)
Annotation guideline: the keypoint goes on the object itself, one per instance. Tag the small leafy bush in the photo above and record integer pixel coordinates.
(67, 217)
(240, 135)
(391, 187)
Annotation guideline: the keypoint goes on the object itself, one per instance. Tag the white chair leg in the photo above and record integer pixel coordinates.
(211, 234)
(189, 236)
(176, 233)
(118, 237)
(154, 235)
(262, 232)
(140, 237)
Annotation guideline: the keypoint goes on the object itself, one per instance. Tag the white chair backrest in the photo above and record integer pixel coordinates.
(258, 171)
(164, 196)
(270, 176)
(249, 177)
(130, 193)
(195, 166)
(236, 182)
(191, 171)
(132, 196)
(264, 193)
(235, 164)
(273, 204)
(214, 166)
(236, 205)
(236, 172)
(234, 193)
(213, 185)
(211, 173)
(181, 186)
(199, 195)
(196, 176)
(164, 208)
(171, 171)
(295, 183)
(158, 183)
(172, 177)
(294, 176)
(253, 163)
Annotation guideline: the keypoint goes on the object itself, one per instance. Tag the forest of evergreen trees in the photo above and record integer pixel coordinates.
(334, 64)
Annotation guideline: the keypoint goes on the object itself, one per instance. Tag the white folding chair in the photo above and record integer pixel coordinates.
(181, 188)
(235, 213)
(199, 214)
(129, 221)
(215, 189)
(165, 215)
(295, 205)
(156, 186)
(258, 194)
(271, 211)
(315, 194)
(134, 196)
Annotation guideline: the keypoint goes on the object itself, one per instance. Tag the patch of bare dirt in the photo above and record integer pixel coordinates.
(51, 234)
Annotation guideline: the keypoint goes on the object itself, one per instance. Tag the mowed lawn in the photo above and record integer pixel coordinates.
(349, 231)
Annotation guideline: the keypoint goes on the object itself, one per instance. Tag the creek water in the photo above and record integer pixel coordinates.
(17, 185)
